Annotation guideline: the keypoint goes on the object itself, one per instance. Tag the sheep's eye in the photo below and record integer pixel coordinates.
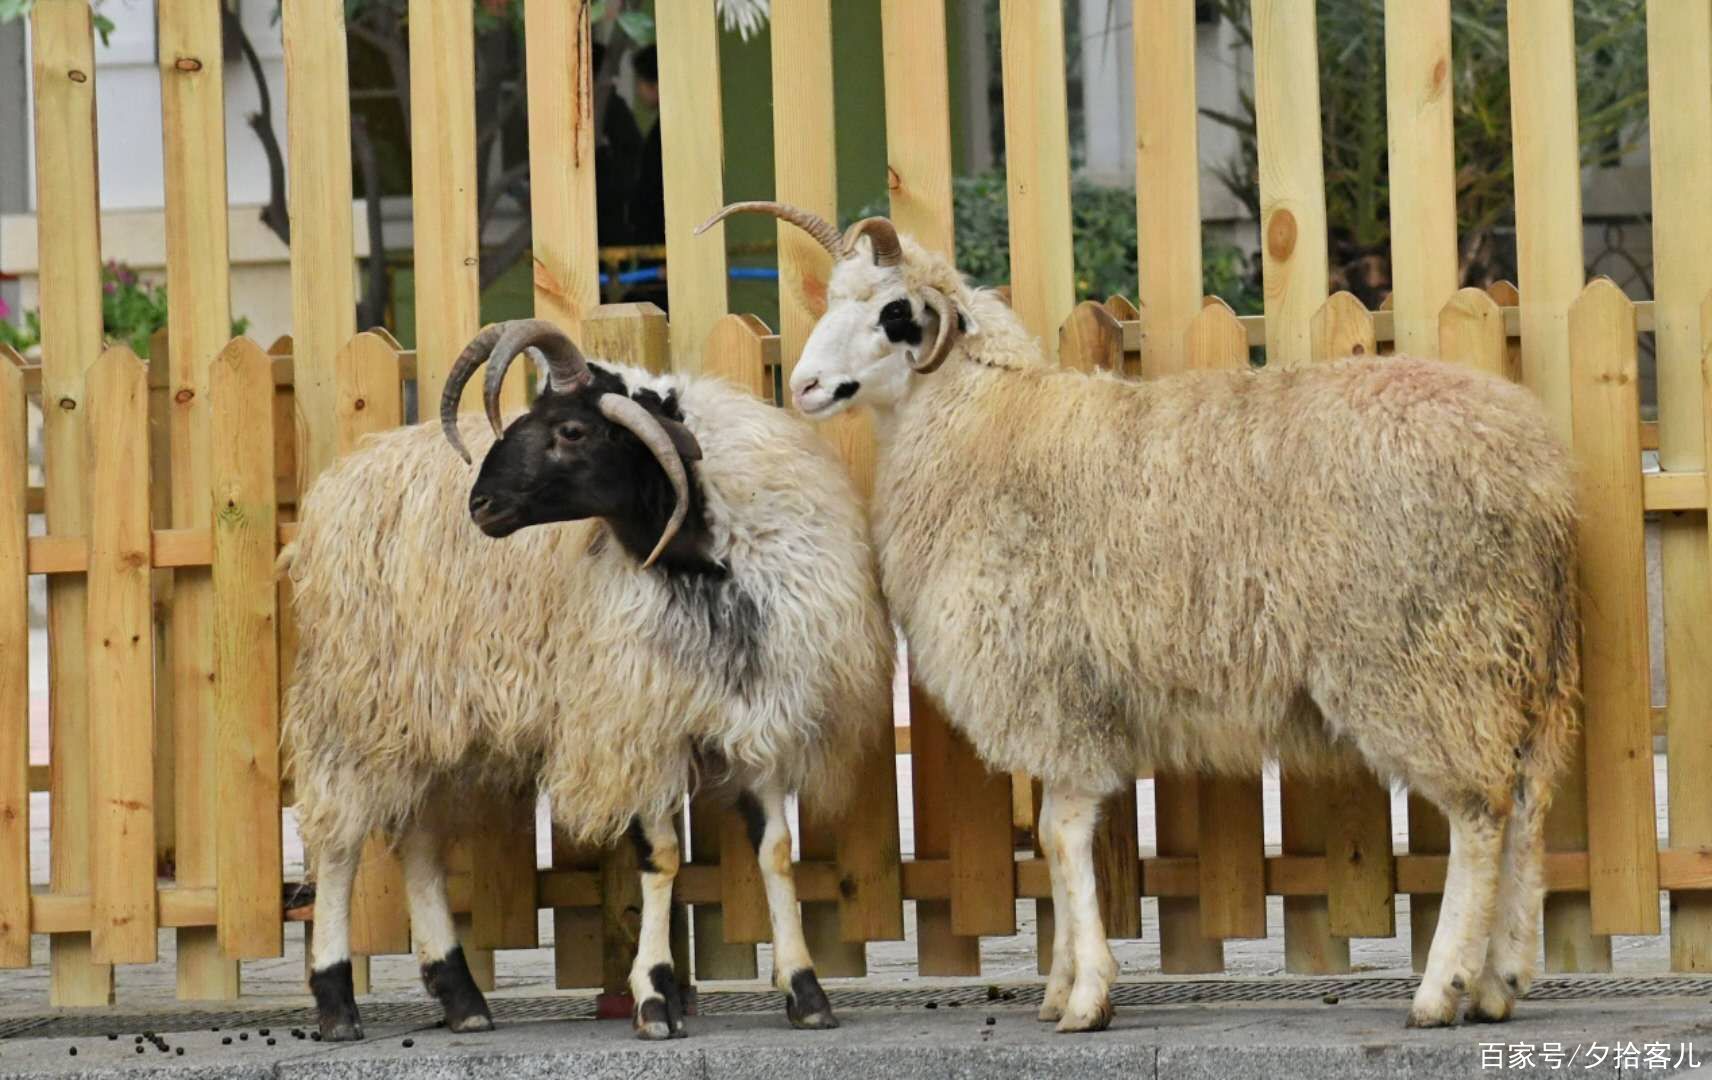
(571, 432)
(896, 311)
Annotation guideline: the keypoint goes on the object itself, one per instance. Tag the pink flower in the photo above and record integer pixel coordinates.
(4, 310)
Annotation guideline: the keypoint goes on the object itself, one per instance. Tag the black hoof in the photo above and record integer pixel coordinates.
(336, 1003)
(449, 980)
(806, 1005)
(661, 1016)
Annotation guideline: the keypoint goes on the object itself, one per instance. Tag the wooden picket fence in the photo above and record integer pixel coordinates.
(169, 486)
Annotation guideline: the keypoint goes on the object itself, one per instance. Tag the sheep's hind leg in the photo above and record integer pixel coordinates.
(659, 1000)
(444, 971)
(1465, 920)
(1515, 944)
(1063, 973)
(1090, 1006)
(806, 1004)
(330, 959)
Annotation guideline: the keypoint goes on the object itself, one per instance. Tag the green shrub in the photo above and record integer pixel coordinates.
(131, 311)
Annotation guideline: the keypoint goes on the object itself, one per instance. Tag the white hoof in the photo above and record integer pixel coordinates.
(1089, 1008)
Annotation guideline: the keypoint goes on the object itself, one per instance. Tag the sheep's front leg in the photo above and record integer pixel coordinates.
(330, 951)
(1465, 918)
(444, 971)
(1089, 1007)
(659, 1000)
(793, 969)
(1063, 951)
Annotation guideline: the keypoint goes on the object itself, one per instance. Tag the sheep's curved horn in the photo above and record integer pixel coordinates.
(806, 220)
(643, 424)
(949, 331)
(882, 234)
(473, 356)
(497, 346)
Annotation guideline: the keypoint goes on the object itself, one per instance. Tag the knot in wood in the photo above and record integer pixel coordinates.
(184, 395)
(894, 182)
(187, 63)
(1281, 235)
(77, 76)
(67, 404)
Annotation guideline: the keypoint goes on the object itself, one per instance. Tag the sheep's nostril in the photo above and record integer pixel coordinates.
(480, 504)
(812, 385)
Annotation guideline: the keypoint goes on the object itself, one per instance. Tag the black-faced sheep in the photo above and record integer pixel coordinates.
(699, 605)
(1373, 558)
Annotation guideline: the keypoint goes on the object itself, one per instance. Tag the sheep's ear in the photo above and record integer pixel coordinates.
(965, 321)
(685, 442)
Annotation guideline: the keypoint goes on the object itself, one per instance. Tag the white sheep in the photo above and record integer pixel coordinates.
(699, 604)
(1370, 559)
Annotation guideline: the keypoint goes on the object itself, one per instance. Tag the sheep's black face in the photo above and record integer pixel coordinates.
(565, 461)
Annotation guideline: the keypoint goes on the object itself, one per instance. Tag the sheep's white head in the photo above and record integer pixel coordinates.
(882, 327)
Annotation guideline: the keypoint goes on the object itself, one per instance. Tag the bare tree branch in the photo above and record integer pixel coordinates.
(275, 215)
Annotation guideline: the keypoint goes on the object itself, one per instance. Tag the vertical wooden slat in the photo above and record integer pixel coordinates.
(1294, 266)
(1091, 340)
(198, 323)
(1230, 809)
(120, 644)
(918, 121)
(63, 65)
(161, 408)
(1471, 331)
(1546, 149)
(1418, 96)
(1037, 170)
(561, 162)
(366, 399)
(246, 674)
(443, 188)
(960, 809)
(14, 670)
(692, 146)
(1351, 823)
(735, 351)
(1679, 66)
(448, 299)
(1168, 234)
(865, 841)
(1616, 695)
(1424, 264)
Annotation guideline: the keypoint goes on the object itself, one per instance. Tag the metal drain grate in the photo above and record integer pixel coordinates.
(736, 1002)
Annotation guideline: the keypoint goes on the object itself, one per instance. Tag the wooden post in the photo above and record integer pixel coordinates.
(14, 669)
(1037, 152)
(561, 162)
(865, 842)
(120, 646)
(323, 308)
(198, 324)
(1424, 267)
(1549, 264)
(67, 208)
(244, 514)
(1622, 827)
(691, 143)
(367, 398)
(961, 810)
(1679, 66)
(448, 313)
(1471, 331)
(1351, 823)
(1091, 340)
(1232, 836)
(1168, 231)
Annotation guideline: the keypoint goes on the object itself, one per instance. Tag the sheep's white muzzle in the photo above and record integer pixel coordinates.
(817, 399)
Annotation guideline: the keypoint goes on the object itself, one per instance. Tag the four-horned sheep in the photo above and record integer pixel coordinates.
(1370, 560)
(684, 595)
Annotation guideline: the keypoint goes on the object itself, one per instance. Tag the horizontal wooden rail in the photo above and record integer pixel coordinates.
(923, 879)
